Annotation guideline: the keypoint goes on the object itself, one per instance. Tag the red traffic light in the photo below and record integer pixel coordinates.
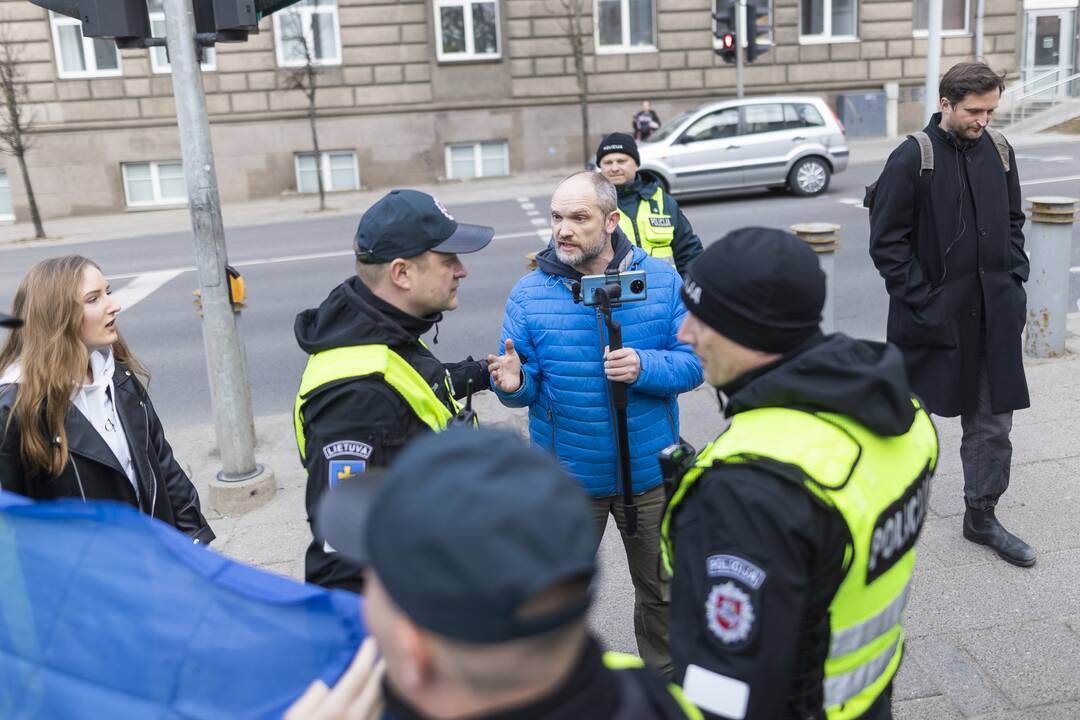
(728, 41)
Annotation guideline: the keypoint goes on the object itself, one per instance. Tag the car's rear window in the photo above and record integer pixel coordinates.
(802, 115)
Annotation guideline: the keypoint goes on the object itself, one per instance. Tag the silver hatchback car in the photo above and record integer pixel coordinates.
(782, 142)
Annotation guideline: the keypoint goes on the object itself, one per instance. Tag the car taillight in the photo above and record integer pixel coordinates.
(837, 119)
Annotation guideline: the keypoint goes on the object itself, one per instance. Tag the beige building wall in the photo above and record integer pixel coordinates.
(397, 107)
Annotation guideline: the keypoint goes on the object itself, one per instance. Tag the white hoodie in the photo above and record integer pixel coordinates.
(95, 402)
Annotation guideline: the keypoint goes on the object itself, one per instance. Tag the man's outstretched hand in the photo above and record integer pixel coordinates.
(506, 369)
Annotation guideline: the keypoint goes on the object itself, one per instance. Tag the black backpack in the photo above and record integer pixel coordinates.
(926, 164)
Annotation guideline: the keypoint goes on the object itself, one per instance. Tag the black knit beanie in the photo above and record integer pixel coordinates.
(618, 143)
(760, 287)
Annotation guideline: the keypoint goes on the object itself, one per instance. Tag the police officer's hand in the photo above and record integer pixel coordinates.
(506, 369)
(357, 695)
(622, 365)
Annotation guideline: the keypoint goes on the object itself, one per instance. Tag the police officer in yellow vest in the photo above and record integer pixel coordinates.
(791, 536)
(650, 217)
(371, 384)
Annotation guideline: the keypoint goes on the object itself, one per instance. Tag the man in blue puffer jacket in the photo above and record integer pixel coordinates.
(555, 361)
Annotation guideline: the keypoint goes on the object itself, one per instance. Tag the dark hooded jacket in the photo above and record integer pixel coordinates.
(769, 520)
(951, 250)
(364, 420)
(686, 245)
(93, 472)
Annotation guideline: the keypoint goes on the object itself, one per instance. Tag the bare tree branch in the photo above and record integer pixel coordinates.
(16, 119)
(305, 78)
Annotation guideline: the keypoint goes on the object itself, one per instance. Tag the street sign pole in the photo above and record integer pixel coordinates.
(230, 395)
(740, 37)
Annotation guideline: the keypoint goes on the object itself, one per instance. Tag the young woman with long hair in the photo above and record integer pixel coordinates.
(75, 417)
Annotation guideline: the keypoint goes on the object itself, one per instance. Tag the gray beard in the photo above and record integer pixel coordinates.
(583, 255)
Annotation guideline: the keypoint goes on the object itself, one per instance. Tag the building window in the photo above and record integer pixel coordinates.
(828, 21)
(486, 159)
(308, 28)
(159, 57)
(625, 26)
(338, 171)
(466, 30)
(78, 56)
(764, 24)
(954, 17)
(147, 184)
(7, 211)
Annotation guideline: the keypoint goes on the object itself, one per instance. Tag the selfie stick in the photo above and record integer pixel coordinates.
(618, 392)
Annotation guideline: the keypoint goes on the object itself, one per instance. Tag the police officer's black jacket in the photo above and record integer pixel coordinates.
(685, 245)
(364, 415)
(93, 472)
(591, 691)
(775, 524)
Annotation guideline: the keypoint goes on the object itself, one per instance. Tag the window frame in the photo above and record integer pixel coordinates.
(624, 48)
(155, 185)
(478, 158)
(307, 14)
(325, 170)
(965, 32)
(825, 37)
(5, 185)
(56, 21)
(209, 63)
(470, 53)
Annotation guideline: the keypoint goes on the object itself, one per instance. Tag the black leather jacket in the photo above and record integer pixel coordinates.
(93, 472)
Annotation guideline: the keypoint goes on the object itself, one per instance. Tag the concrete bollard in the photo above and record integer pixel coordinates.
(824, 239)
(1049, 245)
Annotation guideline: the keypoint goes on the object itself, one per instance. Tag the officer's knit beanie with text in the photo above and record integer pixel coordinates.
(760, 287)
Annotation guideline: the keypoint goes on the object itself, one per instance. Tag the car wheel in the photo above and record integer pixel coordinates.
(809, 176)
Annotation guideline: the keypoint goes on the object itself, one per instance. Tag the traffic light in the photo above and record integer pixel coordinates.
(724, 30)
(124, 20)
(754, 30)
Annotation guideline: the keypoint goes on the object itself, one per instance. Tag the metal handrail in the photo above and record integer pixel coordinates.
(1017, 88)
(1054, 100)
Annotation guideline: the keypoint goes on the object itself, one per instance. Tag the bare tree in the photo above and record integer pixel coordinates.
(16, 120)
(572, 22)
(305, 78)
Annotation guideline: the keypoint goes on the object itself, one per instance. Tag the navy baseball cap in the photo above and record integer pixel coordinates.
(9, 322)
(406, 223)
(465, 527)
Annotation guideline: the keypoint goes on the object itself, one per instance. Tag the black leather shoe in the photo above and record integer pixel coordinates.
(982, 527)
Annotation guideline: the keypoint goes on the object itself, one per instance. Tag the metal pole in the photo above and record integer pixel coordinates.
(1049, 247)
(980, 11)
(740, 37)
(933, 57)
(230, 395)
(824, 239)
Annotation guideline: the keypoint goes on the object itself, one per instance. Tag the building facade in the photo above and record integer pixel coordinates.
(426, 90)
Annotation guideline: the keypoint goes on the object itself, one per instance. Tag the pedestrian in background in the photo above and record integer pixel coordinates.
(74, 412)
(479, 556)
(557, 363)
(371, 384)
(791, 538)
(648, 215)
(645, 121)
(950, 245)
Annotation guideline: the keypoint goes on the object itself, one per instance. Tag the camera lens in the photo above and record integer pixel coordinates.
(637, 286)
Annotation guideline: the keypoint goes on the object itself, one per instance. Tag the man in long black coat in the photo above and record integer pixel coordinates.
(950, 246)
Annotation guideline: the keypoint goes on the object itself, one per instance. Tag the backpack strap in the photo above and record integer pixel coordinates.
(1002, 146)
(926, 151)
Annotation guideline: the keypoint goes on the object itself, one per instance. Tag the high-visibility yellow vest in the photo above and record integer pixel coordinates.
(880, 486)
(356, 361)
(623, 661)
(653, 230)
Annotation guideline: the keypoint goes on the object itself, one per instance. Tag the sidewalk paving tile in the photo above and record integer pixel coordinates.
(1032, 663)
(930, 708)
(1055, 711)
(957, 675)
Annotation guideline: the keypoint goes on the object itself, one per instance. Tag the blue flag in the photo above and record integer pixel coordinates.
(107, 613)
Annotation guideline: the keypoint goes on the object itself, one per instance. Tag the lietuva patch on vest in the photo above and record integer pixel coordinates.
(660, 222)
(897, 528)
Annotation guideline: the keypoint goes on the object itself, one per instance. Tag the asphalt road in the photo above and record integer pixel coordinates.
(292, 266)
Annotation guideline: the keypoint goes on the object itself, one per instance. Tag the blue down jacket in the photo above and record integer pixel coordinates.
(562, 345)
